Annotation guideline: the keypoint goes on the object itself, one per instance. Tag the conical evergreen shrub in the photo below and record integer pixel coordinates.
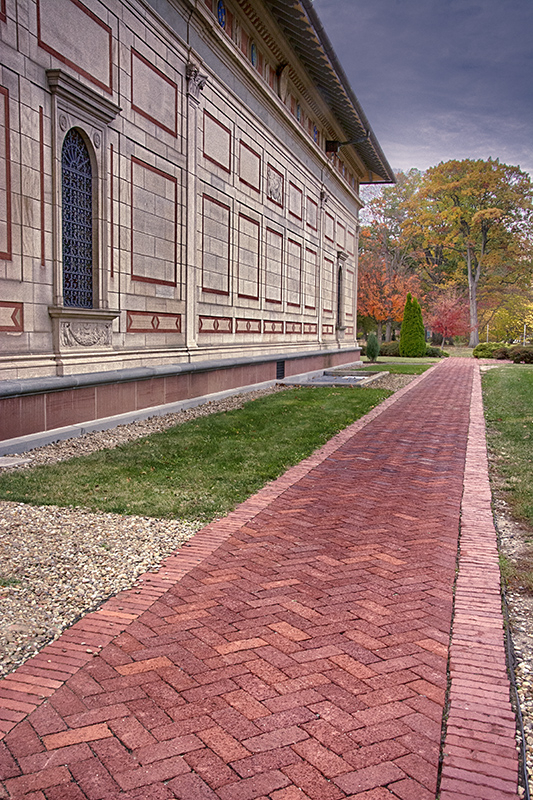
(372, 347)
(412, 334)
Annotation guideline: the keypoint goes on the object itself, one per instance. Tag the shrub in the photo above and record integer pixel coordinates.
(412, 334)
(436, 352)
(487, 349)
(372, 347)
(501, 353)
(521, 354)
(390, 349)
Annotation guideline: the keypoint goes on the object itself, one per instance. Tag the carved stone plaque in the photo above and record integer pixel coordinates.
(85, 334)
(274, 185)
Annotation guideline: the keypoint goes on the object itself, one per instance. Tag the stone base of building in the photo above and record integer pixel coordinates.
(40, 404)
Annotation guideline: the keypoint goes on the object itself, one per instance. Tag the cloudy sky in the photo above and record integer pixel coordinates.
(440, 79)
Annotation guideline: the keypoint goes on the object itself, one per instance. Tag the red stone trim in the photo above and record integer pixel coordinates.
(293, 327)
(210, 158)
(106, 87)
(173, 180)
(227, 324)
(310, 327)
(290, 303)
(41, 182)
(314, 252)
(7, 254)
(272, 326)
(350, 236)
(270, 299)
(341, 244)
(329, 238)
(310, 201)
(205, 289)
(254, 222)
(242, 180)
(247, 326)
(3, 15)
(17, 317)
(350, 285)
(148, 322)
(327, 329)
(139, 110)
(300, 216)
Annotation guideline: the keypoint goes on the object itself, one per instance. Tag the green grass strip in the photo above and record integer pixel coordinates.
(396, 367)
(201, 469)
(508, 401)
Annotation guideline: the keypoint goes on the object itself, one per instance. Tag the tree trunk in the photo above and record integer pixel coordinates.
(379, 332)
(388, 330)
(472, 300)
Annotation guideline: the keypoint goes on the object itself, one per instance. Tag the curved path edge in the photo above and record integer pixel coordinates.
(23, 690)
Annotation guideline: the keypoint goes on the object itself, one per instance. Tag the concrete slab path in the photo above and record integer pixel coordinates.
(307, 646)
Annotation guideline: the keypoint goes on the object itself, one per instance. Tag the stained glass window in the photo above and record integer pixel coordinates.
(221, 13)
(77, 210)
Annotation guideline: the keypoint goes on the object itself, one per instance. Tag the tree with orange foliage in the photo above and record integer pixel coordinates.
(382, 295)
(386, 262)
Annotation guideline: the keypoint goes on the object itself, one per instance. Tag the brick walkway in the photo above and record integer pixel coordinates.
(299, 648)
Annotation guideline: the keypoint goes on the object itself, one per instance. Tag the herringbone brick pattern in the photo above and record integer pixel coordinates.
(298, 651)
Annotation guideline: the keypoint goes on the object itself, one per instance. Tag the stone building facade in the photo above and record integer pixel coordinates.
(172, 192)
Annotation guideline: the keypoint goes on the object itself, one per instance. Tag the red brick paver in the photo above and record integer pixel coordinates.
(298, 648)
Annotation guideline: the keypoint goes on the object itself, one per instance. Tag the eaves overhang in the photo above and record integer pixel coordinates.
(301, 26)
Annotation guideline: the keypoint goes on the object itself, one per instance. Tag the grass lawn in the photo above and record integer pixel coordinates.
(203, 468)
(396, 365)
(508, 401)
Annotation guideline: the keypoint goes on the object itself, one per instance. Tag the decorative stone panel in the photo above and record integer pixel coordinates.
(70, 32)
(82, 329)
(247, 326)
(11, 317)
(148, 322)
(215, 325)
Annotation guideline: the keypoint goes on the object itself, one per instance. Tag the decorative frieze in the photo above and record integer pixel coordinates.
(84, 334)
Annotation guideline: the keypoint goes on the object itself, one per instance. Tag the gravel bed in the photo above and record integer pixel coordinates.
(512, 542)
(59, 563)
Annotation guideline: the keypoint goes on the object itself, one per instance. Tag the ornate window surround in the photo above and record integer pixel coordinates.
(75, 105)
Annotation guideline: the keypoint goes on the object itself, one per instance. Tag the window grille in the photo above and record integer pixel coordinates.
(77, 210)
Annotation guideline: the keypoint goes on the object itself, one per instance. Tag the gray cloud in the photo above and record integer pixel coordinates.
(440, 79)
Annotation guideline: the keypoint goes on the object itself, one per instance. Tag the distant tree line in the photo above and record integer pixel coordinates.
(459, 238)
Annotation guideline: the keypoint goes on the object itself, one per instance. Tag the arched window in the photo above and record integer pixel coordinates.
(77, 210)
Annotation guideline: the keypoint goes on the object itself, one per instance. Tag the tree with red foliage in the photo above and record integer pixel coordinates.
(448, 315)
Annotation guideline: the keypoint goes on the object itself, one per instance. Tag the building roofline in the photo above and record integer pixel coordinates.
(302, 27)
